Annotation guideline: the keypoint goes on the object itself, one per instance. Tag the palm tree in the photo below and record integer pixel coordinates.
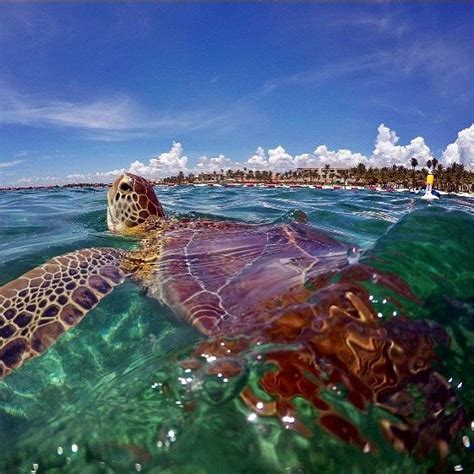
(344, 174)
(360, 171)
(371, 178)
(414, 164)
(458, 172)
(429, 164)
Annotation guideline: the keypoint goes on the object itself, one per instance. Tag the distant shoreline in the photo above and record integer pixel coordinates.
(248, 184)
(454, 179)
(56, 186)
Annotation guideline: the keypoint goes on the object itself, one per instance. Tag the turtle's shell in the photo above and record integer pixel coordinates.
(248, 285)
(214, 274)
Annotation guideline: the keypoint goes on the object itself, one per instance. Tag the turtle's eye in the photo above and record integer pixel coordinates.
(125, 187)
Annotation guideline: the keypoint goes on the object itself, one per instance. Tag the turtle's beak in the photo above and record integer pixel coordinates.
(131, 202)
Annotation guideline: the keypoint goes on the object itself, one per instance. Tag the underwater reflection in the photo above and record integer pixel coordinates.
(325, 342)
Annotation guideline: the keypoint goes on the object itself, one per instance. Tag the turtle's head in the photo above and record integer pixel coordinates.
(131, 201)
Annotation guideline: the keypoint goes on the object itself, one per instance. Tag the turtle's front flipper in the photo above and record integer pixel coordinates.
(36, 308)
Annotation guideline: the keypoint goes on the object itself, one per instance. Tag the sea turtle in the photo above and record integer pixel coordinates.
(285, 287)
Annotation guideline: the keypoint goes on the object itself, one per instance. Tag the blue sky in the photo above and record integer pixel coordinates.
(92, 88)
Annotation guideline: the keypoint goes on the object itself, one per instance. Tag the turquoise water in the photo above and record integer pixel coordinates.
(108, 397)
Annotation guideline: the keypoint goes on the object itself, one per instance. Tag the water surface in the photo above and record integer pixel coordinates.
(109, 397)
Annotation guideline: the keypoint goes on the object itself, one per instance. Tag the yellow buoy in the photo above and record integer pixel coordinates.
(428, 196)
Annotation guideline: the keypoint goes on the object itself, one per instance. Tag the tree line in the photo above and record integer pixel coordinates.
(453, 178)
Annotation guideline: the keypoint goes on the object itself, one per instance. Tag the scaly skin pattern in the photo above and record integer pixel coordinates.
(131, 202)
(212, 272)
(38, 307)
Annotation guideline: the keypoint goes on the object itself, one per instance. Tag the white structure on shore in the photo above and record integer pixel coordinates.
(322, 172)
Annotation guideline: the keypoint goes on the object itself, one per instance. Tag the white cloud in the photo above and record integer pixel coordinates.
(258, 161)
(388, 153)
(385, 23)
(38, 181)
(166, 164)
(462, 150)
(321, 75)
(275, 159)
(8, 164)
(98, 176)
(26, 109)
(441, 60)
(114, 118)
(322, 156)
(208, 165)
(112, 136)
(279, 159)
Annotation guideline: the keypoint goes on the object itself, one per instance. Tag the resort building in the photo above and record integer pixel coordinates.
(323, 173)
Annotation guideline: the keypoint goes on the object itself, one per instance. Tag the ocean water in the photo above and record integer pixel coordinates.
(111, 394)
